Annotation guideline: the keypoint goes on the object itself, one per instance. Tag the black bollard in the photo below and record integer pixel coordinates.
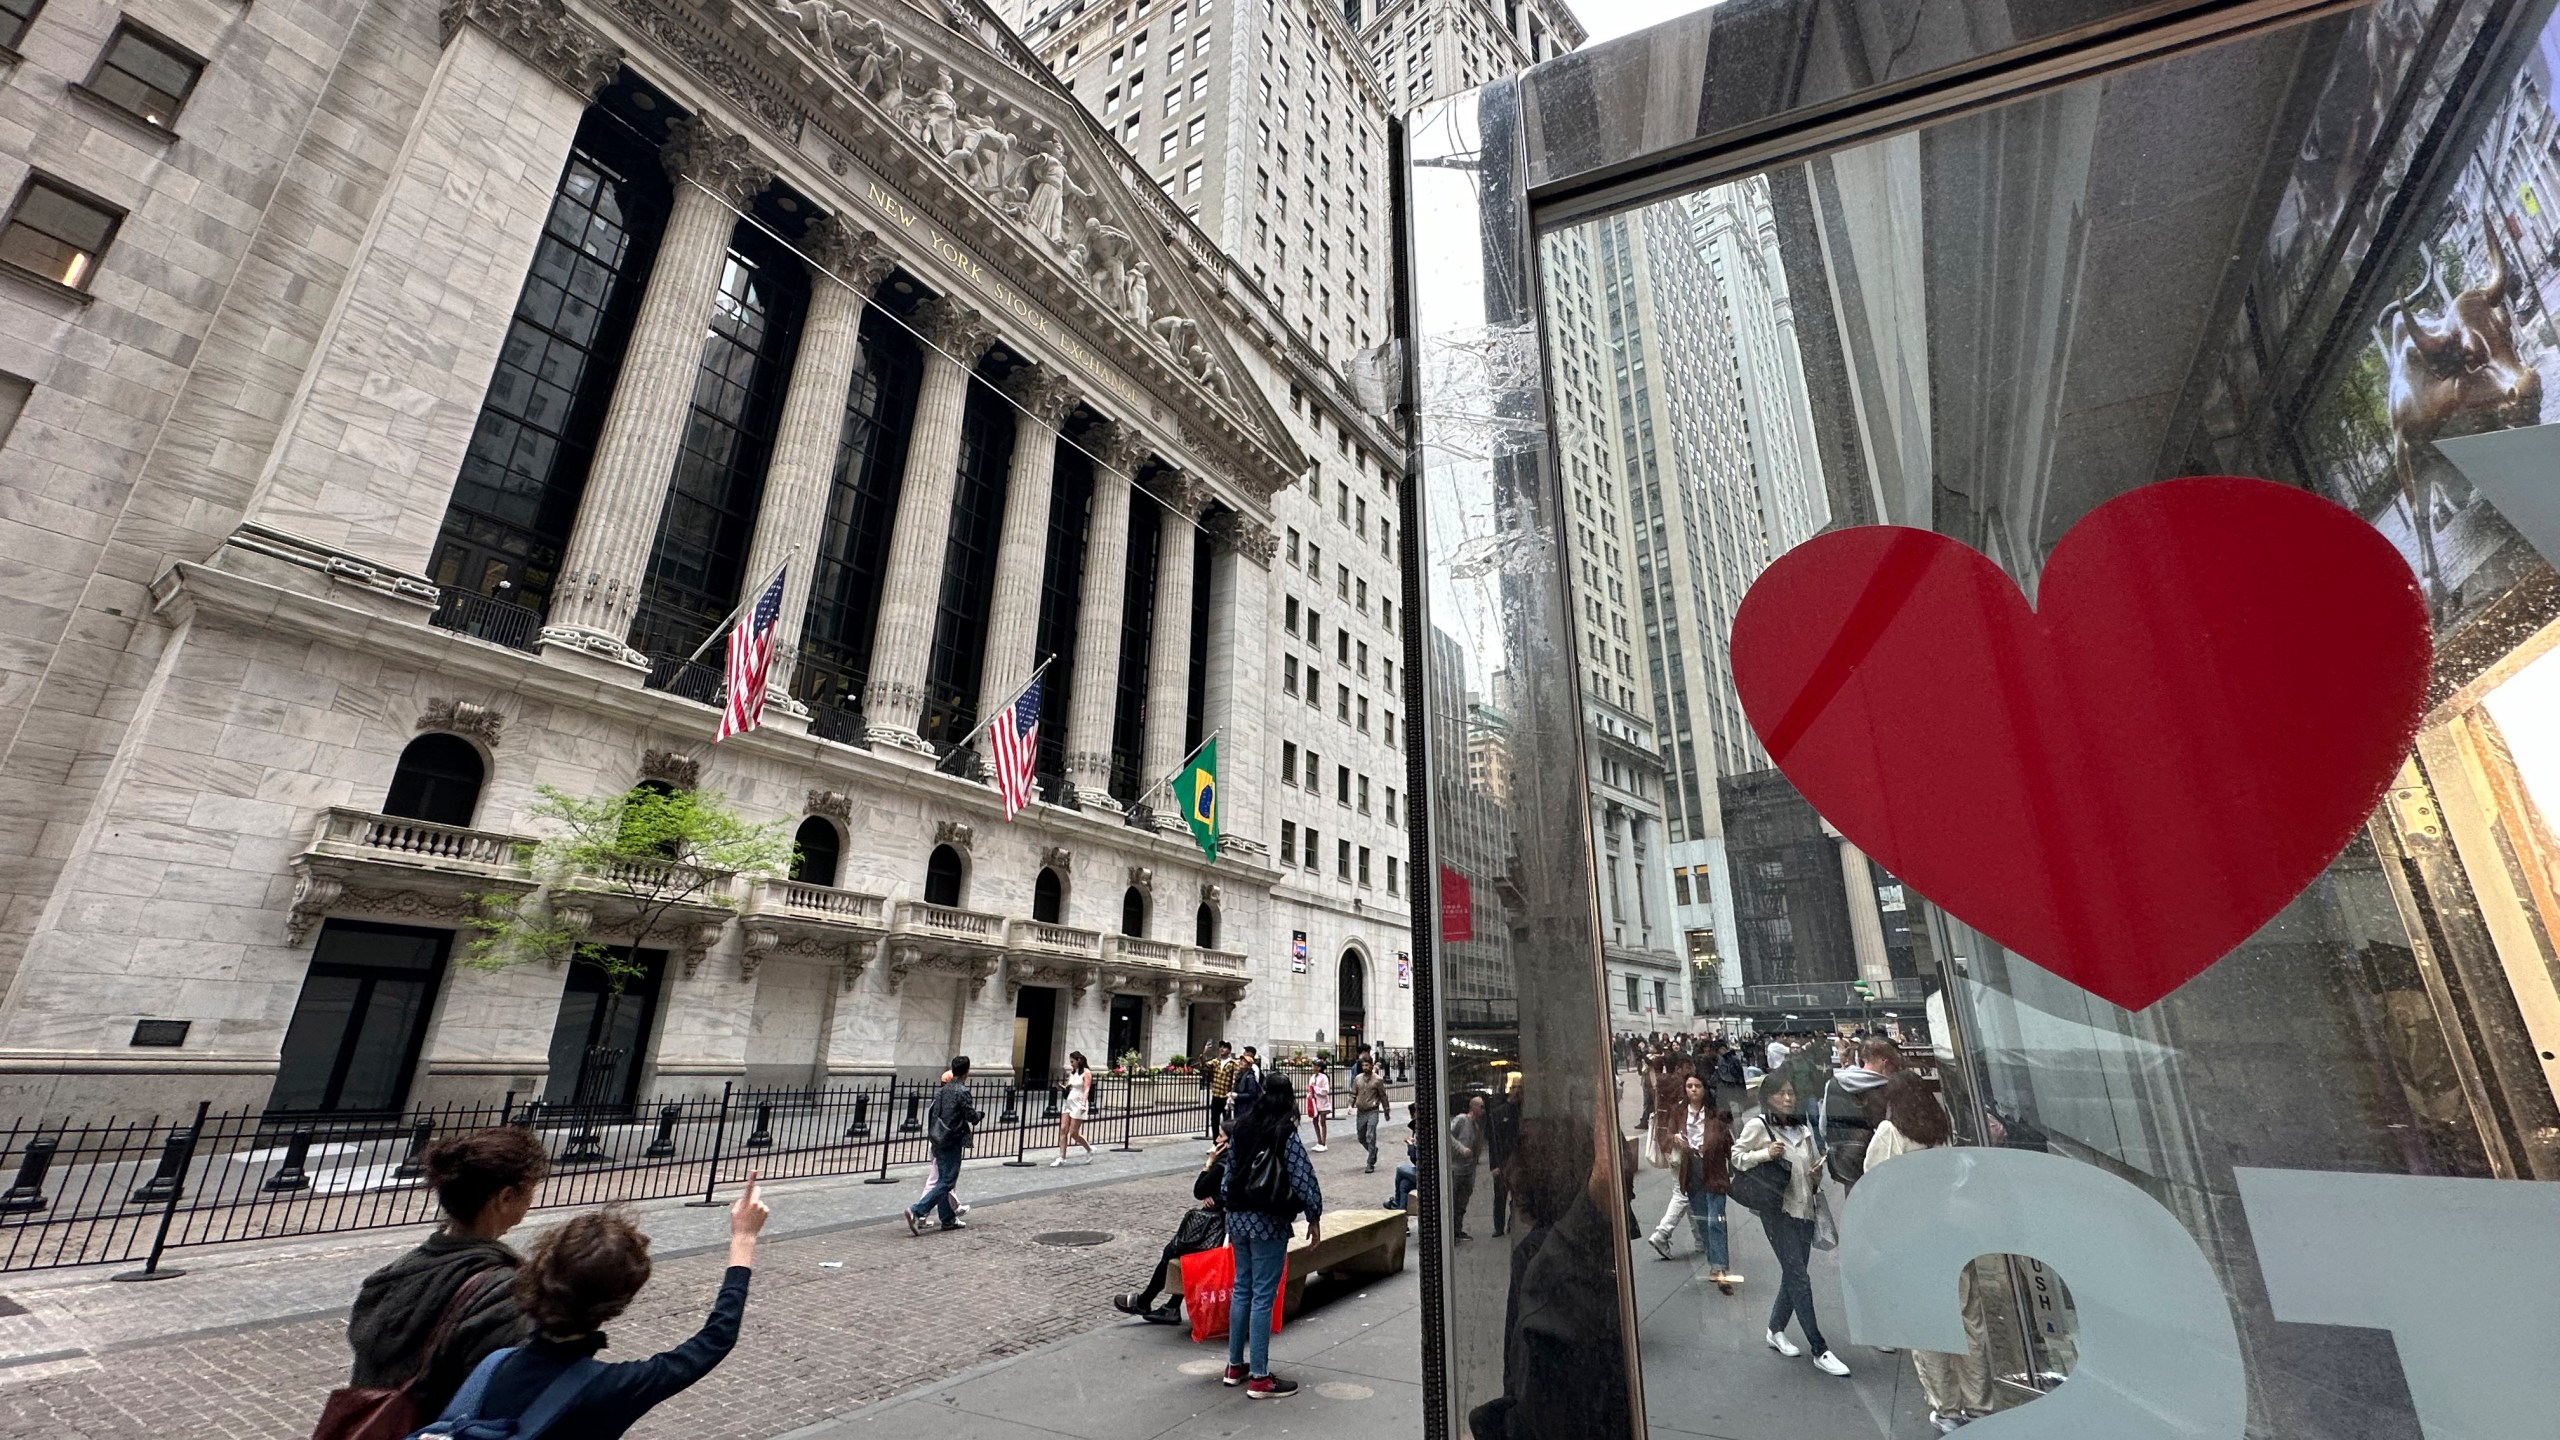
(26, 1195)
(170, 1180)
(860, 1129)
(291, 1175)
(762, 1139)
(663, 1144)
(911, 1124)
(1052, 1112)
(1012, 1105)
(414, 1164)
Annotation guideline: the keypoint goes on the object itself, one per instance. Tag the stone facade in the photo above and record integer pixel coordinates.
(242, 438)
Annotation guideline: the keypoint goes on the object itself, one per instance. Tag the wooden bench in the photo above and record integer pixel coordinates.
(1356, 1242)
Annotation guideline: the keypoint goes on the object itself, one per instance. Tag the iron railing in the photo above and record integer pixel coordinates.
(122, 1190)
(688, 679)
(484, 617)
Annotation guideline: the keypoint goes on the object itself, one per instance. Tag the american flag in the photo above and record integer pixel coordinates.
(750, 661)
(1013, 737)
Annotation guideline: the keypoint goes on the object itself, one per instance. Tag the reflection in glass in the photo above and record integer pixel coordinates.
(2322, 255)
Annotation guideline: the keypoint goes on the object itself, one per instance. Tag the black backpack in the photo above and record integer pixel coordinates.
(1260, 1182)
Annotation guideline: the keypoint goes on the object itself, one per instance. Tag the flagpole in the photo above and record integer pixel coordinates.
(750, 598)
(1166, 781)
(1036, 672)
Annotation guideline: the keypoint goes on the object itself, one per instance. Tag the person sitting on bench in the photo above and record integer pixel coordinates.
(1204, 1228)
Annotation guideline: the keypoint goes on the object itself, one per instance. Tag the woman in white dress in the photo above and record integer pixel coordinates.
(1319, 1103)
(1079, 1102)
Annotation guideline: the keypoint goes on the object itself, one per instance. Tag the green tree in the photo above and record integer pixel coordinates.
(652, 855)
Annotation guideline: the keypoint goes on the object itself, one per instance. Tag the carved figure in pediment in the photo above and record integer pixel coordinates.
(1104, 257)
(821, 20)
(1174, 333)
(1141, 309)
(879, 65)
(938, 119)
(984, 158)
(1050, 183)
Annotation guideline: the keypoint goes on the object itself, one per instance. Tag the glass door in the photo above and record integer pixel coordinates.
(353, 1044)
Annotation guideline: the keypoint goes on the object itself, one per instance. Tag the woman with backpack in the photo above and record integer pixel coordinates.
(423, 1321)
(1784, 1197)
(1264, 1180)
(577, 1277)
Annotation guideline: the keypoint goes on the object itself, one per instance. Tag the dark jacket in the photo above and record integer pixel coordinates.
(1850, 1115)
(1503, 1132)
(613, 1401)
(399, 1305)
(954, 1118)
(1729, 1068)
(1248, 1085)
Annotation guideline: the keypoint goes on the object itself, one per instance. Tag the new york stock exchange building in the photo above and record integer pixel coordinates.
(497, 358)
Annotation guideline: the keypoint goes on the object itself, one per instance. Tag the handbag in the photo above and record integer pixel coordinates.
(1826, 1230)
(1200, 1230)
(1209, 1292)
(390, 1412)
(1762, 1188)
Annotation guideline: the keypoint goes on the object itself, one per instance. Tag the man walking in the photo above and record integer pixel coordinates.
(1502, 1143)
(1207, 1064)
(1369, 1108)
(953, 1121)
(1222, 1086)
(1466, 1147)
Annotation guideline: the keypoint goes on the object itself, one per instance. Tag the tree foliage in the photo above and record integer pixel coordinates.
(647, 855)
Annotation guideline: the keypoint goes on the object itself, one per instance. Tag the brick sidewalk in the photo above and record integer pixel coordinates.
(818, 1342)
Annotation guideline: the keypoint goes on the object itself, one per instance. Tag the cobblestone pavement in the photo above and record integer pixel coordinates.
(248, 1343)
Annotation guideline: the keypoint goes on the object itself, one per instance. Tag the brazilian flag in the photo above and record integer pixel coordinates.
(1196, 791)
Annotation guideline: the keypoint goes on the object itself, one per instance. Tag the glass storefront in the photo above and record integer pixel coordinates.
(1714, 297)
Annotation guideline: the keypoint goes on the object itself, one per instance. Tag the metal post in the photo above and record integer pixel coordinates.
(1020, 1115)
(291, 1175)
(414, 1164)
(171, 1178)
(860, 1129)
(1128, 1111)
(169, 1204)
(886, 1107)
(719, 1137)
(762, 1139)
(26, 1196)
(663, 1144)
(911, 1124)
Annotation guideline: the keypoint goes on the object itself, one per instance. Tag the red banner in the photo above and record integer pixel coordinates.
(1457, 906)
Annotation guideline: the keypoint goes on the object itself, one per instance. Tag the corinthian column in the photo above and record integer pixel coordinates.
(1022, 554)
(1239, 631)
(850, 261)
(1169, 657)
(1106, 579)
(1866, 927)
(902, 644)
(599, 585)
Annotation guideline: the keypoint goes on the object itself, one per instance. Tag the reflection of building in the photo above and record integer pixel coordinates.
(1425, 49)
(1488, 752)
(1475, 841)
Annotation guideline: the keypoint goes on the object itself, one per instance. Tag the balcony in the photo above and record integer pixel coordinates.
(387, 866)
(1137, 950)
(924, 937)
(485, 617)
(792, 917)
(1038, 952)
(1218, 962)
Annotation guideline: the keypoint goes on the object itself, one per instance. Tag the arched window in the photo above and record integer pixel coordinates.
(438, 780)
(1207, 928)
(1352, 1014)
(1048, 897)
(942, 876)
(819, 851)
(1133, 912)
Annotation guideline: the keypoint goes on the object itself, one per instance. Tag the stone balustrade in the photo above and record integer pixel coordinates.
(363, 835)
(1218, 962)
(772, 895)
(1067, 942)
(1138, 950)
(947, 922)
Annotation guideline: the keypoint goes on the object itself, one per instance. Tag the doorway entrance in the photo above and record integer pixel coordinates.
(1128, 1027)
(353, 1042)
(602, 1035)
(1351, 1018)
(1035, 1034)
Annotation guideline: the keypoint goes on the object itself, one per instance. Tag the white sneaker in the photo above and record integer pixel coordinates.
(1319, 1149)
(1784, 1346)
(961, 1209)
(1061, 1160)
(1829, 1364)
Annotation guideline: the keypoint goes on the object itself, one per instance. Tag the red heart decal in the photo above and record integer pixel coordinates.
(2126, 780)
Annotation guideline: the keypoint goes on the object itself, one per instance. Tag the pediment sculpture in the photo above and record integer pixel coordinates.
(1025, 175)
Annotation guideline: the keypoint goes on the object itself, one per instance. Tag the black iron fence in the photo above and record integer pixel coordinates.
(128, 1190)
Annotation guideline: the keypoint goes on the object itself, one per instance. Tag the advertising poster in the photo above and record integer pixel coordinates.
(1297, 952)
(1404, 971)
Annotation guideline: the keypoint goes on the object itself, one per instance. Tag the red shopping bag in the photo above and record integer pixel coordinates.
(1209, 1292)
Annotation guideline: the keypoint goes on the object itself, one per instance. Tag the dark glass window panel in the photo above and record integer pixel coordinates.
(708, 519)
(438, 780)
(1195, 706)
(15, 17)
(820, 852)
(1137, 631)
(1047, 898)
(353, 1042)
(57, 234)
(145, 75)
(600, 1040)
(526, 467)
(1062, 583)
(942, 876)
(862, 507)
(968, 569)
(1133, 911)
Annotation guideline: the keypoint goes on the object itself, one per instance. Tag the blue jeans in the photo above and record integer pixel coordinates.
(1792, 1239)
(1259, 1267)
(937, 1196)
(1366, 1126)
(1706, 1211)
(1406, 1178)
